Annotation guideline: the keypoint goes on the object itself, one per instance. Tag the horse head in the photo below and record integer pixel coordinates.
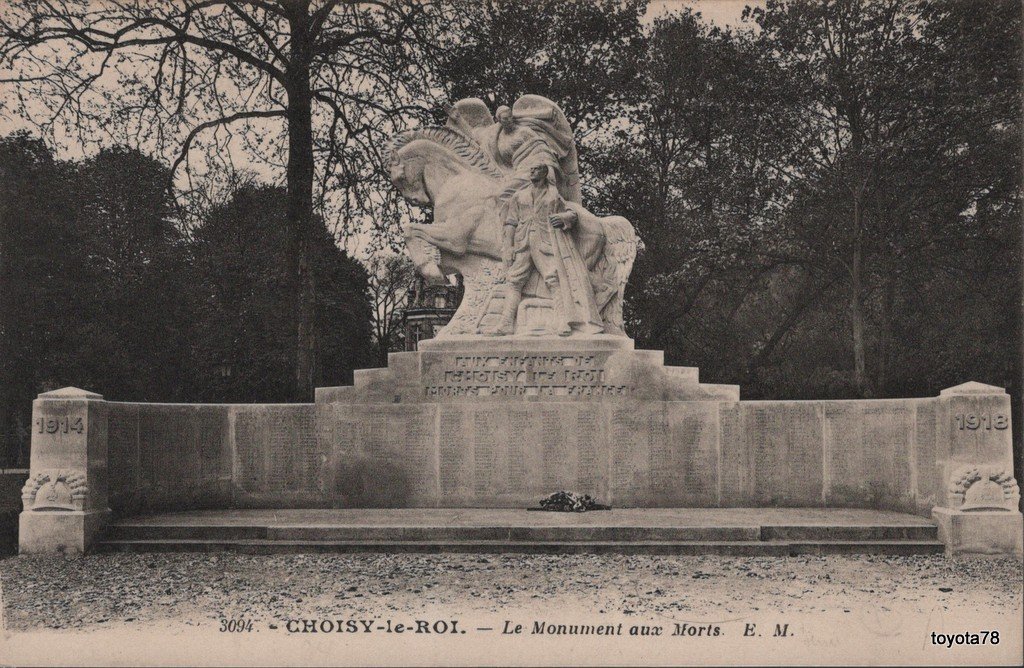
(423, 162)
(407, 175)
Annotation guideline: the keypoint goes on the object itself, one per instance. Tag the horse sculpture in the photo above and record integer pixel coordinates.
(442, 168)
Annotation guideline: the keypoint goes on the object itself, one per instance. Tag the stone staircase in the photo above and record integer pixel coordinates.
(748, 532)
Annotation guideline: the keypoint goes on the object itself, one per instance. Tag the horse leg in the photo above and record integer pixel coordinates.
(438, 235)
(425, 258)
(445, 236)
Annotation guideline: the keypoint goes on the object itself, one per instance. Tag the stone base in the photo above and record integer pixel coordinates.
(72, 531)
(504, 422)
(735, 531)
(981, 532)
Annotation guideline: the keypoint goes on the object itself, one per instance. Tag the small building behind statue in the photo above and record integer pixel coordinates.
(430, 307)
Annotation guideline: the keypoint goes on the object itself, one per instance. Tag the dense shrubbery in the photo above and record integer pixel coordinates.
(102, 290)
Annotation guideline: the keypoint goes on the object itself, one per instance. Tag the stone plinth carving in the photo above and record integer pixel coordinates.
(980, 512)
(984, 488)
(55, 490)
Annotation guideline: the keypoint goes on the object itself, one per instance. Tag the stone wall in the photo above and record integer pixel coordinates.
(188, 456)
(947, 456)
(857, 454)
(884, 454)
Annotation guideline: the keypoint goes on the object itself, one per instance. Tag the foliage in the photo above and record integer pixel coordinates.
(101, 291)
(582, 54)
(391, 278)
(239, 341)
(765, 165)
(41, 266)
(310, 89)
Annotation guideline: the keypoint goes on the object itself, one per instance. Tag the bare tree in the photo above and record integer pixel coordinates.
(309, 86)
(391, 279)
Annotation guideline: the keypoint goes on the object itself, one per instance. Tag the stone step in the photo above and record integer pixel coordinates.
(694, 547)
(812, 532)
(126, 530)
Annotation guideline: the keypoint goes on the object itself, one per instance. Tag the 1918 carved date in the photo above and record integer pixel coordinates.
(983, 421)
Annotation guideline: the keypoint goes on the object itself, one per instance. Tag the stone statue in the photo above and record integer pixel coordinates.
(474, 172)
(537, 237)
(534, 132)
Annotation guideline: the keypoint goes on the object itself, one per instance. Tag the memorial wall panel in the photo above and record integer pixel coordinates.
(692, 463)
(277, 449)
(376, 455)
(867, 448)
(928, 476)
(498, 458)
(337, 437)
(785, 439)
(592, 449)
(455, 454)
(630, 454)
(393, 461)
(736, 474)
(182, 453)
(122, 453)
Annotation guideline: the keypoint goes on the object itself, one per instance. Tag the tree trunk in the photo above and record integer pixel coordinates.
(885, 347)
(856, 301)
(300, 197)
(857, 260)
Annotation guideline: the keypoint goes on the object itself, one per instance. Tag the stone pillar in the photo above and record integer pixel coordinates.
(980, 511)
(65, 498)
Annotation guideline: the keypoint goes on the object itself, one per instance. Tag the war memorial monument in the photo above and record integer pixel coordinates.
(533, 387)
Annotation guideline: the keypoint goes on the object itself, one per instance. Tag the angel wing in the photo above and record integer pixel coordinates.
(469, 115)
(620, 248)
(548, 119)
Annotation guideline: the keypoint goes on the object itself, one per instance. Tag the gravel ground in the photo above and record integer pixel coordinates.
(195, 589)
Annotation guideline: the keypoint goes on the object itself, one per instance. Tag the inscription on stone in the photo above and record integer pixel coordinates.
(418, 437)
(659, 454)
(983, 421)
(555, 456)
(63, 425)
(588, 469)
(278, 448)
(483, 452)
(524, 375)
(451, 441)
(629, 448)
(517, 471)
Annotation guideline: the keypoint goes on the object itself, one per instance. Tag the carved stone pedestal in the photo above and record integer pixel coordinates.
(981, 532)
(980, 510)
(65, 497)
(503, 422)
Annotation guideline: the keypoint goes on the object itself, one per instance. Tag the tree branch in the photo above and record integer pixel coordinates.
(242, 115)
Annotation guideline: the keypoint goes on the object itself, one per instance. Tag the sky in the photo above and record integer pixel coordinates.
(719, 12)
